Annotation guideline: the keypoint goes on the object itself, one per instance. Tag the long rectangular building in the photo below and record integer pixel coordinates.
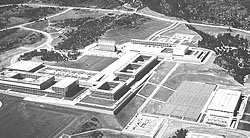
(224, 103)
(38, 84)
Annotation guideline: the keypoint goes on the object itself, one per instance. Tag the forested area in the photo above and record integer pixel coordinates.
(232, 52)
(18, 14)
(14, 38)
(224, 12)
(88, 30)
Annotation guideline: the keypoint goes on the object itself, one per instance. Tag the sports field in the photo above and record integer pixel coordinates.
(89, 62)
(186, 102)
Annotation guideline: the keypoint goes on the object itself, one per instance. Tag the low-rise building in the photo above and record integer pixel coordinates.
(224, 103)
(27, 66)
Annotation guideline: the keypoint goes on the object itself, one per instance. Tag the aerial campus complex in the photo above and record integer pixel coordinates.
(124, 69)
(111, 89)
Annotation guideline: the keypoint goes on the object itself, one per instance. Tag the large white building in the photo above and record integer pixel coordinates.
(224, 103)
(180, 50)
(27, 66)
(107, 45)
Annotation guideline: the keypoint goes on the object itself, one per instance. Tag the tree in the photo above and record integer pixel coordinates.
(229, 29)
(180, 133)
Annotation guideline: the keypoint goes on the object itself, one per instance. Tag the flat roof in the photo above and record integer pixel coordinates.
(143, 48)
(131, 61)
(24, 65)
(144, 125)
(113, 90)
(180, 47)
(63, 72)
(225, 100)
(40, 78)
(65, 82)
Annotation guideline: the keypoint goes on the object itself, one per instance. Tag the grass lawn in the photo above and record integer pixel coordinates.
(147, 89)
(175, 80)
(161, 72)
(109, 134)
(153, 107)
(124, 34)
(38, 25)
(92, 100)
(9, 104)
(128, 112)
(94, 63)
(76, 14)
(104, 134)
(24, 120)
(163, 94)
(192, 72)
(247, 109)
(246, 118)
(244, 126)
(215, 31)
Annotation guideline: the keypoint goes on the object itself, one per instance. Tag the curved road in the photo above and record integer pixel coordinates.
(49, 38)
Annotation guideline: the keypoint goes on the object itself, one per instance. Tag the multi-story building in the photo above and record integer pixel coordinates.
(107, 45)
(137, 66)
(65, 85)
(38, 84)
(112, 90)
(147, 42)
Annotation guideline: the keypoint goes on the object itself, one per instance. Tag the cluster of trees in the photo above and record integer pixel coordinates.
(233, 52)
(91, 124)
(90, 29)
(107, 4)
(7, 45)
(232, 13)
(44, 54)
(180, 133)
(13, 38)
(226, 12)
(25, 12)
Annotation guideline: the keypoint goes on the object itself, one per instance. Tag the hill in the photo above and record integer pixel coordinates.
(4, 2)
(223, 12)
